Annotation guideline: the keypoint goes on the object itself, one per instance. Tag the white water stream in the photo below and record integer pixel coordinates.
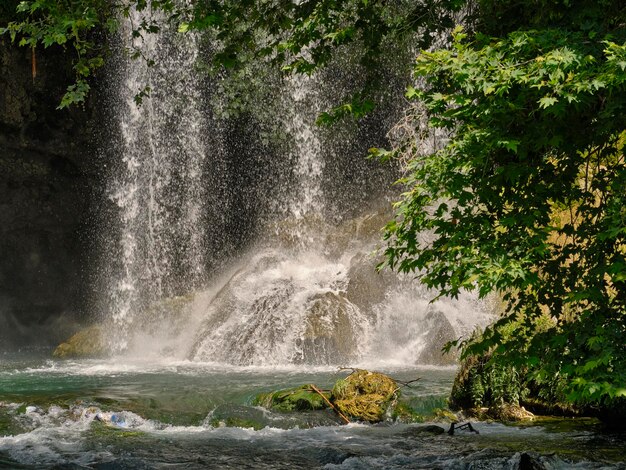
(158, 183)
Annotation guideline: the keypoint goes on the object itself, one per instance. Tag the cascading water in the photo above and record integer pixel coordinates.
(307, 147)
(305, 293)
(158, 183)
(327, 305)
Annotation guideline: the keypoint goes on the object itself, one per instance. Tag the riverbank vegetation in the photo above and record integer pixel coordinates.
(521, 186)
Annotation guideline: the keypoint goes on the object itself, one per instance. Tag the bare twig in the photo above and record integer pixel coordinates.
(408, 383)
(341, 415)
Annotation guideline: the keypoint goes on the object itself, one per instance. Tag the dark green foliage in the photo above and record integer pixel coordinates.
(526, 197)
(7, 11)
(485, 383)
(37, 23)
(297, 37)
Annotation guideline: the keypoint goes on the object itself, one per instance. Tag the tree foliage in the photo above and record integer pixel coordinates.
(64, 23)
(527, 196)
(297, 37)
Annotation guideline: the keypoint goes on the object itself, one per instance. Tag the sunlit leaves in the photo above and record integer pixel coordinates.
(534, 172)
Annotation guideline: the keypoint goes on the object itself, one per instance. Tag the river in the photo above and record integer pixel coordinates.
(122, 413)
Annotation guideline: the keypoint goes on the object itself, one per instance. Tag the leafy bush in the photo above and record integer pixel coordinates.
(534, 107)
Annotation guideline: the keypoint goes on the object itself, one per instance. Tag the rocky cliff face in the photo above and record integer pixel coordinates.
(48, 178)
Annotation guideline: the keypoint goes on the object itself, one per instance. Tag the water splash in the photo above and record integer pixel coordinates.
(282, 310)
(314, 300)
(313, 308)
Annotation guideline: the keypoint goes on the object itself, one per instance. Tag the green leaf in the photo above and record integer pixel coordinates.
(547, 101)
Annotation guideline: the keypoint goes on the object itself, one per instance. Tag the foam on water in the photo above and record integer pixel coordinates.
(54, 437)
(86, 435)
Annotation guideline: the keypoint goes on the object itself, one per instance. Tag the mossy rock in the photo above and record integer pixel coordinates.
(293, 399)
(504, 413)
(509, 413)
(365, 395)
(443, 415)
(89, 342)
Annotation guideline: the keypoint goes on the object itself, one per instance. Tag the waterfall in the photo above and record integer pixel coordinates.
(306, 292)
(157, 183)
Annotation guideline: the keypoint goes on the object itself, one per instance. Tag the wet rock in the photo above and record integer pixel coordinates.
(431, 429)
(255, 294)
(302, 398)
(365, 395)
(48, 184)
(280, 309)
(366, 286)
(332, 331)
(294, 233)
(358, 231)
(527, 461)
(439, 332)
(89, 342)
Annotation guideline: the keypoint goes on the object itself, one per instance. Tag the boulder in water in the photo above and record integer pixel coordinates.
(415, 431)
(366, 286)
(529, 461)
(439, 332)
(365, 395)
(89, 342)
(302, 398)
(358, 232)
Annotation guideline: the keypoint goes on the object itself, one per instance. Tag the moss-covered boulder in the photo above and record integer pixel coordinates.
(302, 398)
(365, 395)
(89, 342)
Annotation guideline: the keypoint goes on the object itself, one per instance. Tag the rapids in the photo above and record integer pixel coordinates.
(182, 414)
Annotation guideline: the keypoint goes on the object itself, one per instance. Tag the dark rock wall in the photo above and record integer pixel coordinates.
(48, 178)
